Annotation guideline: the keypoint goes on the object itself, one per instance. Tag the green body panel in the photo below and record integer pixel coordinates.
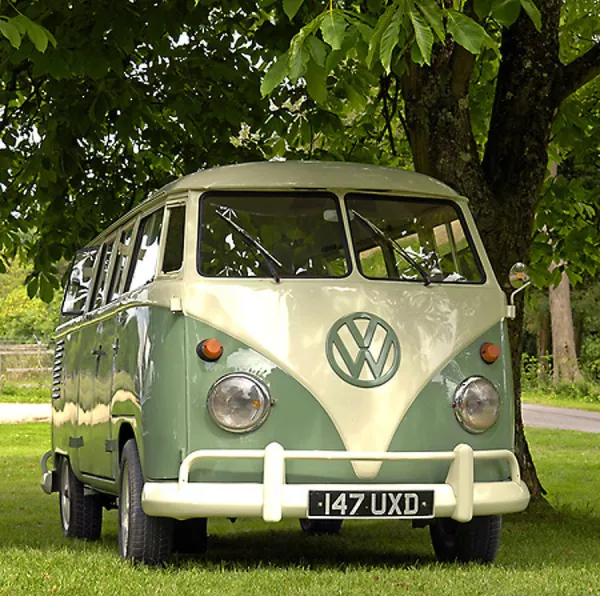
(159, 388)
(162, 391)
(64, 409)
(430, 423)
(298, 421)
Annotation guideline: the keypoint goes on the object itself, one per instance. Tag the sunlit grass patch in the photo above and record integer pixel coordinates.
(543, 551)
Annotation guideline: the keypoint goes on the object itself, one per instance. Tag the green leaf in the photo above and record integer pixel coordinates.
(8, 30)
(38, 36)
(466, 32)
(46, 289)
(333, 60)
(506, 12)
(291, 7)
(299, 57)
(275, 75)
(317, 50)
(534, 14)
(435, 17)
(316, 82)
(389, 40)
(382, 25)
(482, 8)
(333, 29)
(415, 54)
(423, 35)
(32, 287)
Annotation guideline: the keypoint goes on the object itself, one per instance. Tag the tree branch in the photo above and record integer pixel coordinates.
(576, 74)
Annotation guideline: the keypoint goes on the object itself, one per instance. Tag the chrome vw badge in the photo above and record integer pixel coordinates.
(363, 339)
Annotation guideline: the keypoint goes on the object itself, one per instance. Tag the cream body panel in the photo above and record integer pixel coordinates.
(289, 322)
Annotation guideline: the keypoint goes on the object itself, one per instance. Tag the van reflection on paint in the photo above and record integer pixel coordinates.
(319, 341)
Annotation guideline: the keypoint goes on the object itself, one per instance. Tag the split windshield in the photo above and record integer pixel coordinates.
(272, 235)
(300, 234)
(411, 240)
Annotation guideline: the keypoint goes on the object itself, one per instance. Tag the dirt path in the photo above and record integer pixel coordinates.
(11, 413)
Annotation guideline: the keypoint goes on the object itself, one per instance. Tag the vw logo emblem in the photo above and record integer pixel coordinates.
(363, 350)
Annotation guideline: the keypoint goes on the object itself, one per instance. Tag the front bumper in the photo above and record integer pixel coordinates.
(459, 497)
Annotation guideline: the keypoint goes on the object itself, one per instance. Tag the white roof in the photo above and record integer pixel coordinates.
(312, 175)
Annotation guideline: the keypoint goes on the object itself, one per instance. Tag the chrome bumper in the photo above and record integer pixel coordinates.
(459, 497)
(49, 477)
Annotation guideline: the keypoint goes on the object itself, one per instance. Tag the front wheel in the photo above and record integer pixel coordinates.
(477, 540)
(321, 526)
(142, 538)
(80, 514)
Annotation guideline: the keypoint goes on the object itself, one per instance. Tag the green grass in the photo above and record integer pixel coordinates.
(549, 398)
(543, 551)
(30, 393)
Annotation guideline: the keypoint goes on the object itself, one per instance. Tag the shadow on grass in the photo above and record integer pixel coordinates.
(531, 540)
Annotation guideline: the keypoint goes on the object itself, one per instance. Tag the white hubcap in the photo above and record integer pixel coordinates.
(124, 510)
(65, 495)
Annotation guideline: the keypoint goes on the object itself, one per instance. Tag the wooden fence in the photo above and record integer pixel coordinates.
(25, 358)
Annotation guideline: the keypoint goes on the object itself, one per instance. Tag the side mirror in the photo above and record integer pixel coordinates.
(518, 275)
(519, 279)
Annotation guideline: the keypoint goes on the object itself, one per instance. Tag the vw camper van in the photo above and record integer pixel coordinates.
(318, 341)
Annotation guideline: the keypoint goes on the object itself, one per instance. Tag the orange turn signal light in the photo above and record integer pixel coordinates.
(209, 349)
(489, 352)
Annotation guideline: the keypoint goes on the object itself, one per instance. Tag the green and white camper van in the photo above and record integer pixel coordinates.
(319, 341)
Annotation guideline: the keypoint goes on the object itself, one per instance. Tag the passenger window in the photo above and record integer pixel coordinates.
(80, 280)
(123, 251)
(145, 252)
(102, 275)
(173, 259)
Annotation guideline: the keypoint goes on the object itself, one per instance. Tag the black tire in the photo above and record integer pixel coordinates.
(475, 541)
(80, 514)
(321, 526)
(191, 536)
(142, 538)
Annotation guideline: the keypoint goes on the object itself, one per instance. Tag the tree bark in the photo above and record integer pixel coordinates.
(564, 356)
(504, 187)
(543, 345)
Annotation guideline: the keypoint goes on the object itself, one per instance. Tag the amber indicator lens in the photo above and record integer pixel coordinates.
(489, 352)
(209, 349)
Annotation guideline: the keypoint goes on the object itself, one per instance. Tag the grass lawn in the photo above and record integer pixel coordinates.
(548, 398)
(29, 393)
(543, 551)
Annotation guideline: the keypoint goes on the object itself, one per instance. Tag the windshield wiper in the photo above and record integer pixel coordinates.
(394, 245)
(270, 261)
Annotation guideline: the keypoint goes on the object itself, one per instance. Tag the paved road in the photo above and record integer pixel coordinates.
(562, 418)
(533, 415)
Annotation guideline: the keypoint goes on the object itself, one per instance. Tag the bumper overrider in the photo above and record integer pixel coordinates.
(459, 497)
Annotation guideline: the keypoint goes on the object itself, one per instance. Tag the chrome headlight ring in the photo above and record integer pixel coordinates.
(238, 402)
(476, 404)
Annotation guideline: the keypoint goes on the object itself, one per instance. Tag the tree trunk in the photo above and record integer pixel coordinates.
(564, 356)
(504, 187)
(543, 345)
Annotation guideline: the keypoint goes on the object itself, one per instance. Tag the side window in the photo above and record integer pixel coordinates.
(173, 259)
(80, 281)
(101, 277)
(145, 251)
(123, 251)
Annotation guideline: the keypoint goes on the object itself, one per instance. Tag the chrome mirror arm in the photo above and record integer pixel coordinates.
(511, 309)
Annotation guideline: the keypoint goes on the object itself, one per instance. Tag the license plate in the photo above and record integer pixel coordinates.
(370, 504)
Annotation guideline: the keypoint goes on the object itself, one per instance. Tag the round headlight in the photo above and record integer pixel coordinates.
(476, 404)
(238, 402)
